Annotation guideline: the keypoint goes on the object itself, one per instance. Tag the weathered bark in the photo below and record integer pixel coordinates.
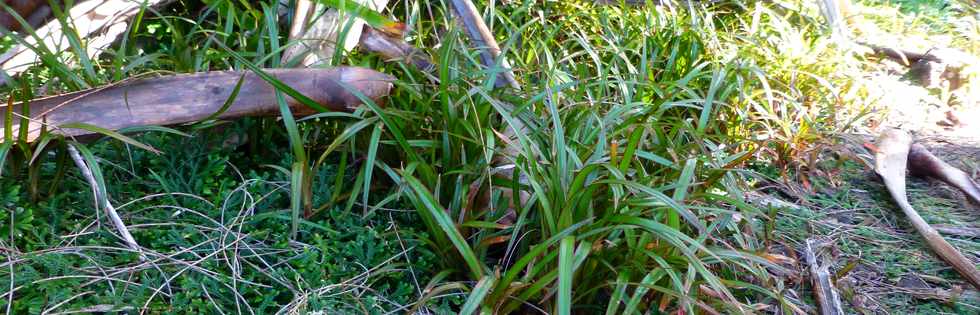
(923, 163)
(891, 161)
(394, 49)
(100, 22)
(823, 286)
(317, 30)
(191, 97)
(23, 8)
(482, 38)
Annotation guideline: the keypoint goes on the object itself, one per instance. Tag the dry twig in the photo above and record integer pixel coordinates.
(823, 286)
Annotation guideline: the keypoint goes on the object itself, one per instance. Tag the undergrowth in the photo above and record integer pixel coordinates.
(630, 142)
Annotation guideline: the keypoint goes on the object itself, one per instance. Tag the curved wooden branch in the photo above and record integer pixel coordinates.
(891, 160)
(191, 97)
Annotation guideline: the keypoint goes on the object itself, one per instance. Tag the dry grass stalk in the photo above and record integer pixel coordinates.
(103, 201)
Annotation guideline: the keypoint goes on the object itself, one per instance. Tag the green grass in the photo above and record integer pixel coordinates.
(215, 238)
(635, 128)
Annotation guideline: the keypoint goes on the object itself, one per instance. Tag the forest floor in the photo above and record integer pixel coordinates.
(213, 211)
(883, 266)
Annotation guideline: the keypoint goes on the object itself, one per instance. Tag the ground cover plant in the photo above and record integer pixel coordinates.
(635, 137)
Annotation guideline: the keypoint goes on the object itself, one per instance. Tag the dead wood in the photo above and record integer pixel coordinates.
(923, 163)
(23, 8)
(891, 161)
(823, 286)
(903, 56)
(100, 22)
(958, 230)
(317, 29)
(394, 49)
(482, 38)
(186, 98)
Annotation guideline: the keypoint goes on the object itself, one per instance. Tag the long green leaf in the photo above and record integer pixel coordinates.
(110, 133)
(564, 301)
(435, 210)
(479, 292)
(296, 197)
(372, 17)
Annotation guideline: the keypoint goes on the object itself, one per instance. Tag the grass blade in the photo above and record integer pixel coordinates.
(372, 17)
(479, 292)
(110, 133)
(436, 211)
(564, 301)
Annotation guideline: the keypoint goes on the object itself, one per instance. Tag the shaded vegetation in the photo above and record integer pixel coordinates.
(645, 126)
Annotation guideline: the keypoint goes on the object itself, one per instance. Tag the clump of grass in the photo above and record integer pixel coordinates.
(630, 130)
(633, 127)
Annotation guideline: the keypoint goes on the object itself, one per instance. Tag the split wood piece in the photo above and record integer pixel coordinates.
(908, 57)
(100, 22)
(102, 201)
(316, 30)
(191, 97)
(394, 49)
(823, 286)
(837, 15)
(482, 38)
(891, 161)
(923, 163)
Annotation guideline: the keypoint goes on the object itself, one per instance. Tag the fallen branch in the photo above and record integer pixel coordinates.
(102, 201)
(99, 22)
(958, 230)
(33, 11)
(823, 286)
(192, 97)
(394, 49)
(923, 163)
(480, 34)
(834, 12)
(317, 30)
(891, 160)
